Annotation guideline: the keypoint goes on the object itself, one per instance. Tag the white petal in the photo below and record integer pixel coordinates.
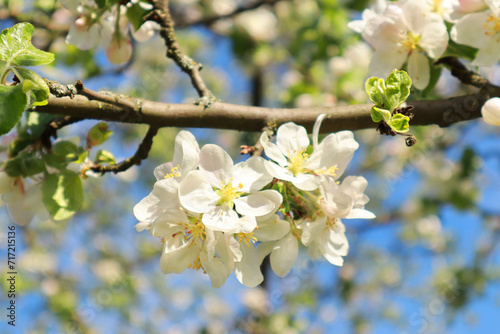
(434, 39)
(385, 60)
(252, 174)
(169, 223)
(215, 269)
(488, 55)
(221, 218)
(186, 152)
(196, 194)
(491, 111)
(312, 230)
(255, 204)
(359, 214)
(272, 150)
(291, 137)
(142, 226)
(217, 164)
(178, 259)
(163, 197)
(419, 70)
(284, 254)
(272, 229)
(278, 172)
(248, 270)
(470, 30)
(306, 182)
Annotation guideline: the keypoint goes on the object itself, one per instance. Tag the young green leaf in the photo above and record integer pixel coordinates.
(400, 123)
(379, 114)
(62, 194)
(398, 85)
(98, 134)
(40, 91)
(16, 47)
(104, 157)
(13, 102)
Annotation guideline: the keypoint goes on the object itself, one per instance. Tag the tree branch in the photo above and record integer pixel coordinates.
(459, 71)
(247, 118)
(141, 154)
(209, 20)
(161, 15)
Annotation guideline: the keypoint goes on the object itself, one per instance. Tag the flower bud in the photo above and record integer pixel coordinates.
(119, 50)
(491, 111)
(471, 5)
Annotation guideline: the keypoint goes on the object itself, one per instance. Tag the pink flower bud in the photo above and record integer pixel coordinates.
(471, 5)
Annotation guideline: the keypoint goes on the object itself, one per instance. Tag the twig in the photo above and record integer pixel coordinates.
(161, 15)
(141, 154)
(209, 20)
(54, 125)
(459, 71)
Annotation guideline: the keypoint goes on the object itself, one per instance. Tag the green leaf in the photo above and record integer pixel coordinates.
(13, 102)
(379, 114)
(375, 89)
(104, 157)
(62, 154)
(40, 91)
(398, 85)
(62, 194)
(16, 47)
(100, 3)
(24, 165)
(98, 134)
(400, 123)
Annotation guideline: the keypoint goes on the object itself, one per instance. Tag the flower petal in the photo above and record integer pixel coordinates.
(186, 152)
(216, 164)
(178, 256)
(215, 269)
(291, 137)
(272, 151)
(491, 111)
(248, 270)
(222, 218)
(195, 194)
(271, 229)
(163, 197)
(255, 205)
(252, 174)
(284, 254)
(419, 70)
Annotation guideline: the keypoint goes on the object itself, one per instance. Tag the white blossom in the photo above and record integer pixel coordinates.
(228, 195)
(293, 162)
(481, 30)
(406, 31)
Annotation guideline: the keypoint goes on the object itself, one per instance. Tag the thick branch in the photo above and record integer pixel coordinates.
(161, 14)
(208, 20)
(141, 154)
(247, 118)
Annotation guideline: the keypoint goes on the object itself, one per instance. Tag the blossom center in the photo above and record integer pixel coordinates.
(296, 162)
(228, 193)
(492, 25)
(410, 42)
(194, 230)
(330, 223)
(174, 172)
(437, 6)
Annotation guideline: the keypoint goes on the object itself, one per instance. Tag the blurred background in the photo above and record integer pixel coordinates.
(429, 262)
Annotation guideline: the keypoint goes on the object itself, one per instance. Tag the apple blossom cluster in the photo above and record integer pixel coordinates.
(109, 25)
(221, 217)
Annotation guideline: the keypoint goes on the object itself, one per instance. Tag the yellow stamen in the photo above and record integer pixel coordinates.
(196, 265)
(174, 172)
(327, 171)
(296, 162)
(228, 193)
(492, 25)
(410, 42)
(247, 238)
